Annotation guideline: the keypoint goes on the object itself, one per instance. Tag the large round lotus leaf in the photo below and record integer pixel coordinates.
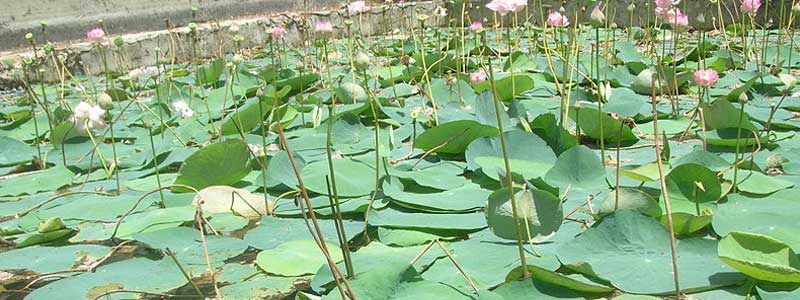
(138, 274)
(50, 259)
(578, 167)
(540, 210)
(630, 199)
(759, 183)
(535, 289)
(222, 163)
(760, 257)
(598, 125)
(14, 152)
(635, 297)
(27, 184)
(453, 137)
(295, 258)
(494, 167)
(778, 291)
(693, 182)
(522, 145)
(353, 178)
(632, 252)
(775, 216)
(350, 92)
(575, 282)
(222, 199)
(508, 87)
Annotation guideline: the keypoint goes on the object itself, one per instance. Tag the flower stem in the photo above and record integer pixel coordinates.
(508, 178)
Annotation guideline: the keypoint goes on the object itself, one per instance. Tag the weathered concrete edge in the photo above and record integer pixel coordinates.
(138, 49)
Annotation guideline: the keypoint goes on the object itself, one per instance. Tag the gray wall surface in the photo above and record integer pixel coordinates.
(70, 19)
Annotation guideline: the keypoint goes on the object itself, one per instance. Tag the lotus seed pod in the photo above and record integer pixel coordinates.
(631, 7)
(29, 36)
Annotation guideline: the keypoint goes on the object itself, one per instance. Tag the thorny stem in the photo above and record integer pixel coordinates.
(508, 178)
(318, 236)
(665, 193)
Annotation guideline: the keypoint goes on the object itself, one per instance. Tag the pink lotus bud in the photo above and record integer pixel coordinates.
(751, 6)
(476, 26)
(96, 34)
(556, 19)
(323, 26)
(706, 77)
(477, 77)
(278, 32)
(597, 17)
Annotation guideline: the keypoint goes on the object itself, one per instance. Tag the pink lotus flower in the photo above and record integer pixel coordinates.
(476, 26)
(477, 77)
(556, 19)
(504, 7)
(751, 6)
(323, 26)
(678, 20)
(96, 34)
(278, 32)
(706, 77)
(662, 11)
(663, 3)
(357, 7)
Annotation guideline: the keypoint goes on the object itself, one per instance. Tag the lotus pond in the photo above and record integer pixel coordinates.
(572, 160)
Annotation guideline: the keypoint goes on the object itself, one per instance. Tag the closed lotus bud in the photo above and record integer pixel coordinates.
(50, 225)
(105, 101)
(743, 98)
(701, 19)
(597, 17)
(796, 7)
(361, 60)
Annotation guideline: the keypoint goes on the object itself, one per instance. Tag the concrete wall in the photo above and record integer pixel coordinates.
(70, 19)
(213, 40)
